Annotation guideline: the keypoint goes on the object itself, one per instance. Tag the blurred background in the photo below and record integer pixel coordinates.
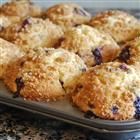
(125, 4)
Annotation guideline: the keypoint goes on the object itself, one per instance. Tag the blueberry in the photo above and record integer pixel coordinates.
(24, 23)
(98, 56)
(124, 67)
(125, 55)
(115, 109)
(20, 84)
(137, 106)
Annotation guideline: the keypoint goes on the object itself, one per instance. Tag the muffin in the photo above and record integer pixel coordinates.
(120, 25)
(6, 21)
(67, 14)
(14, 11)
(93, 46)
(109, 91)
(21, 8)
(8, 52)
(32, 33)
(43, 74)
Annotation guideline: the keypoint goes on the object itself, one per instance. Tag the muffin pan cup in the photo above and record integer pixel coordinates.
(63, 110)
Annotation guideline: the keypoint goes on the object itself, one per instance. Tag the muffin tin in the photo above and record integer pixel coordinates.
(62, 110)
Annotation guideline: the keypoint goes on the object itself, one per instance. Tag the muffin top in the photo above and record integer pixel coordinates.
(43, 74)
(20, 8)
(32, 33)
(68, 14)
(93, 46)
(109, 91)
(120, 25)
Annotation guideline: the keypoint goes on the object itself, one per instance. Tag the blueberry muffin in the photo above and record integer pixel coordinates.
(33, 33)
(67, 14)
(93, 46)
(109, 91)
(43, 74)
(14, 11)
(8, 53)
(120, 25)
(130, 53)
(21, 8)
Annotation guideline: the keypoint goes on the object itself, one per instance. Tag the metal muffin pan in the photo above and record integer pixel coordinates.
(63, 110)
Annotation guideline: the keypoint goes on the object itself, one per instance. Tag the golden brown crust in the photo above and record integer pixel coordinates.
(108, 90)
(20, 8)
(6, 21)
(14, 11)
(120, 25)
(43, 74)
(68, 14)
(35, 83)
(8, 52)
(32, 33)
(93, 46)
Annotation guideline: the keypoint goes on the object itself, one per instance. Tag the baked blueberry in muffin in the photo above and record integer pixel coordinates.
(130, 53)
(137, 106)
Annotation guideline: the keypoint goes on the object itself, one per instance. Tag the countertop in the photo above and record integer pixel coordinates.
(17, 124)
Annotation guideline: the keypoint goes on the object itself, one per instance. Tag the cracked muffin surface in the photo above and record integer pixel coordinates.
(68, 14)
(43, 74)
(120, 25)
(93, 46)
(109, 91)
